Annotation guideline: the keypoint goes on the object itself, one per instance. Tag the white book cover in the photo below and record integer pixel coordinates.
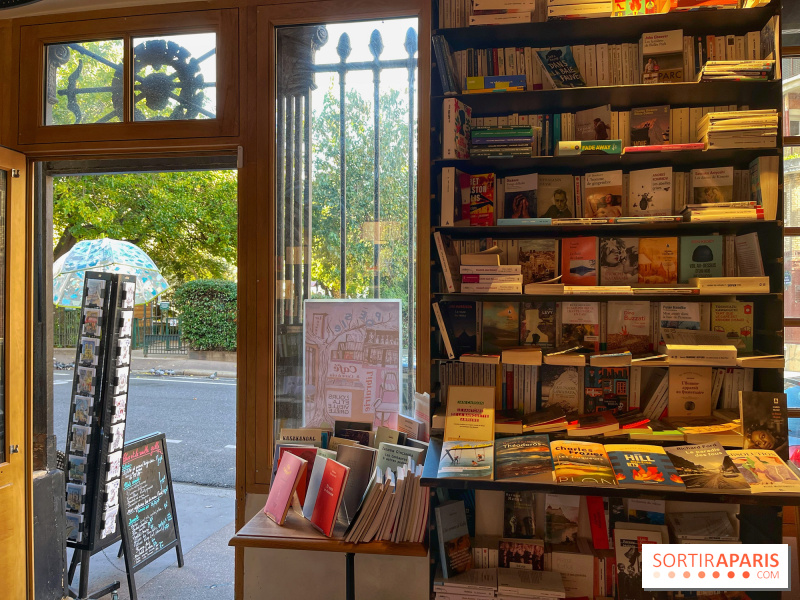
(712, 186)
(556, 196)
(650, 192)
(662, 56)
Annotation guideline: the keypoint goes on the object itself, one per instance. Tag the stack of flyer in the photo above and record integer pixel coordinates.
(737, 70)
(474, 584)
(739, 129)
(533, 585)
(572, 9)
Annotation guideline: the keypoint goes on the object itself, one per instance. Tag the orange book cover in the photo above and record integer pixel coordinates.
(290, 470)
(658, 260)
(329, 498)
(481, 199)
(579, 261)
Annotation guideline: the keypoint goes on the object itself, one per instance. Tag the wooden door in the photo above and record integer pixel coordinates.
(15, 389)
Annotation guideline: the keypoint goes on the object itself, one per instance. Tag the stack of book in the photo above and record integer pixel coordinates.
(495, 142)
(495, 83)
(571, 9)
(501, 12)
(740, 129)
(524, 583)
(476, 584)
(723, 211)
(483, 274)
(737, 70)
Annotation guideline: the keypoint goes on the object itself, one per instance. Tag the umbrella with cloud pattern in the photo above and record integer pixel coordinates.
(107, 256)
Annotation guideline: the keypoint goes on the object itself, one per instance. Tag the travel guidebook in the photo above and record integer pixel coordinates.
(642, 466)
(581, 463)
(523, 458)
(707, 468)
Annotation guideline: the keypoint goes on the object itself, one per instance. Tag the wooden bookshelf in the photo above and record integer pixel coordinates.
(607, 229)
(429, 479)
(297, 533)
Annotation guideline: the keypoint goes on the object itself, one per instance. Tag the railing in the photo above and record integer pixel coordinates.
(161, 337)
(66, 326)
(295, 82)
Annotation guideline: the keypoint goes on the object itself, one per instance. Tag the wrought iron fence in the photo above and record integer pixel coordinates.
(295, 83)
(162, 336)
(66, 326)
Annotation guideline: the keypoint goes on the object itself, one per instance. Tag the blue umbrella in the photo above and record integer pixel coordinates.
(107, 256)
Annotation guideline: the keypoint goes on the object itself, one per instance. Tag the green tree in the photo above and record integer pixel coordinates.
(359, 141)
(185, 221)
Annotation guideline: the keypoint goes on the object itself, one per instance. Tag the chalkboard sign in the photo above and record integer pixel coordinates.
(147, 502)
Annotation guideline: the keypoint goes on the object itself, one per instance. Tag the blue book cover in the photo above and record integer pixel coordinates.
(643, 466)
(454, 543)
(523, 457)
(560, 66)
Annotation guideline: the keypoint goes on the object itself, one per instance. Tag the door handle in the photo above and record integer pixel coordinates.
(13, 449)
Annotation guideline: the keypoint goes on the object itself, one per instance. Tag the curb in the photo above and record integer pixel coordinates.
(188, 373)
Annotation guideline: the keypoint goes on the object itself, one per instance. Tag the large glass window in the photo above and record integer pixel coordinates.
(345, 185)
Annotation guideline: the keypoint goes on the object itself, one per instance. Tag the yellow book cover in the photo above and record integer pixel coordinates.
(470, 413)
(658, 260)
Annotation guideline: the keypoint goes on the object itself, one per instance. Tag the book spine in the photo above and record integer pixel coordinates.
(448, 276)
(443, 330)
(490, 288)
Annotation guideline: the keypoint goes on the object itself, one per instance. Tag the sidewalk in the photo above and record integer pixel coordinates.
(178, 364)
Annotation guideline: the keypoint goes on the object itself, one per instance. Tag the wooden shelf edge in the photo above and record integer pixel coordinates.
(298, 534)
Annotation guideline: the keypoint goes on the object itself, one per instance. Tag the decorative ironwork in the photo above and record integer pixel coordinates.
(167, 81)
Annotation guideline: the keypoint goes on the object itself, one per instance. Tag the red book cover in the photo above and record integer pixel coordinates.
(579, 261)
(481, 199)
(291, 469)
(331, 490)
(597, 521)
(307, 453)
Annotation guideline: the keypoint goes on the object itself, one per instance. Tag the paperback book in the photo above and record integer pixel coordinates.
(701, 256)
(580, 325)
(454, 542)
(482, 199)
(606, 389)
(619, 261)
(650, 192)
(712, 186)
(523, 458)
(579, 261)
(642, 466)
(460, 317)
(662, 56)
(562, 514)
(629, 327)
(650, 125)
(560, 67)
(593, 123)
(526, 554)
(521, 196)
(658, 260)
(455, 129)
(562, 387)
(581, 463)
(519, 509)
(500, 326)
(764, 421)
(735, 320)
(764, 471)
(538, 324)
(538, 260)
(555, 196)
(603, 194)
(706, 467)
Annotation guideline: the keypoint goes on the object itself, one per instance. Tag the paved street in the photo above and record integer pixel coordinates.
(197, 414)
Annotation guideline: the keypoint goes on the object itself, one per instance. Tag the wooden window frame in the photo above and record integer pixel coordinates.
(256, 431)
(34, 39)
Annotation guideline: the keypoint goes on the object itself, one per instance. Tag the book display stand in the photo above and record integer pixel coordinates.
(97, 422)
(457, 230)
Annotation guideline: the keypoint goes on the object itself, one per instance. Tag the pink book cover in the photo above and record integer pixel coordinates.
(290, 469)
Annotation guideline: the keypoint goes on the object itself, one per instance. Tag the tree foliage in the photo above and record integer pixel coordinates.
(393, 193)
(185, 221)
(208, 314)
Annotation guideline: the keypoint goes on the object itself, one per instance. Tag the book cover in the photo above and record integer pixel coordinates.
(454, 543)
(579, 261)
(642, 466)
(481, 199)
(712, 186)
(735, 320)
(313, 485)
(650, 125)
(764, 471)
(689, 391)
(538, 324)
(460, 317)
(628, 552)
(658, 260)
(521, 554)
(593, 123)
(448, 260)
(562, 387)
(329, 498)
(605, 389)
(470, 413)
(629, 327)
(500, 326)
(455, 128)
(519, 509)
(662, 56)
(520, 196)
(650, 192)
(581, 463)
(538, 259)
(307, 453)
(455, 197)
(560, 67)
(603, 194)
(523, 456)
(619, 261)
(580, 325)
(701, 256)
(562, 514)
(764, 421)
(555, 197)
(466, 460)
(360, 460)
(706, 467)
(391, 456)
(290, 470)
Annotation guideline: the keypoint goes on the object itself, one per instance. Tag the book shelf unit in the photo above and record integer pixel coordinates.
(760, 514)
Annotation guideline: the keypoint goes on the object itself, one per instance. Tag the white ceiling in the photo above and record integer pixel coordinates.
(44, 7)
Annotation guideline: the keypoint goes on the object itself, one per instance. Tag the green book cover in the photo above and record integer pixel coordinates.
(735, 319)
(700, 256)
(601, 147)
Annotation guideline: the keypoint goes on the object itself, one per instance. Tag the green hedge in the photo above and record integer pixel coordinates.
(208, 313)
